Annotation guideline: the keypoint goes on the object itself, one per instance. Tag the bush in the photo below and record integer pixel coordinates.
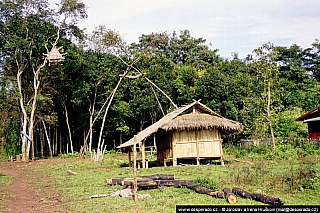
(286, 148)
(12, 140)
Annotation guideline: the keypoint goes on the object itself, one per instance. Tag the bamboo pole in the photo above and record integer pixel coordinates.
(67, 120)
(149, 81)
(135, 169)
(113, 93)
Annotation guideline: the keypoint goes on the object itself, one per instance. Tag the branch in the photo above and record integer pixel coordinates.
(147, 80)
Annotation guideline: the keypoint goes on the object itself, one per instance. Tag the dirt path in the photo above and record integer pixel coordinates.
(26, 197)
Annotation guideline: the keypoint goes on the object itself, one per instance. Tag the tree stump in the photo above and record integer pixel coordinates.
(18, 158)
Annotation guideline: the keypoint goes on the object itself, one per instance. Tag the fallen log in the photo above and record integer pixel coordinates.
(230, 197)
(71, 172)
(274, 201)
(241, 193)
(146, 183)
(159, 177)
(99, 196)
(121, 181)
(204, 190)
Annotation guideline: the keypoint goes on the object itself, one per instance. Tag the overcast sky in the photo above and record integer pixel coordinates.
(229, 25)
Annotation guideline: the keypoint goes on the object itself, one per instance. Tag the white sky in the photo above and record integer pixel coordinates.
(229, 25)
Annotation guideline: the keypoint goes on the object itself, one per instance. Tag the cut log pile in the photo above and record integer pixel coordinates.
(155, 181)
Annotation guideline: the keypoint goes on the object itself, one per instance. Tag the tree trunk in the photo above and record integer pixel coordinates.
(69, 130)
(274, 201)
(24, 115)
(60, 142)
(120, 141)
(48, 139)
(56, 140)
(42, 143)
(269, 117)
(36, 84)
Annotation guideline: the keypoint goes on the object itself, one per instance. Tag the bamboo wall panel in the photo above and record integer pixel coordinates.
(184, 136)
(208, 135)
(186, 144)
(184, 150)
(209, 149)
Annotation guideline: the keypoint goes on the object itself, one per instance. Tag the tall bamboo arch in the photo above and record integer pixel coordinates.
(110, 98)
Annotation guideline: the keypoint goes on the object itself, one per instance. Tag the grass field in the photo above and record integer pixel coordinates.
(4, 181)
(296, 181)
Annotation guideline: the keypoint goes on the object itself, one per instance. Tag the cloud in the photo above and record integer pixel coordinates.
(230, 25)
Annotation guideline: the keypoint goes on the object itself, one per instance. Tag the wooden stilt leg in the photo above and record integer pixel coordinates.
(129, 156)
(198, 161)
(175, 162)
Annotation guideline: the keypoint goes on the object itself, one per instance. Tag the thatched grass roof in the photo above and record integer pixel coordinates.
(192, 116)
(202, 121)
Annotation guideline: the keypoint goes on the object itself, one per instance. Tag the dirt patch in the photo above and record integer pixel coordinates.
(24, 196)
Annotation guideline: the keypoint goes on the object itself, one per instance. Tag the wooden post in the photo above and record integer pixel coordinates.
(197, 147)
(174, 155)
(135, 168)
(143, 154)
(129, 156)
(221, 152)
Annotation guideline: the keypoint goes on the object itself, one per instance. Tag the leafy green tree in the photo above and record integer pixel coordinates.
(286, 125)
(311, 59)
(26, 29)
(267, 69)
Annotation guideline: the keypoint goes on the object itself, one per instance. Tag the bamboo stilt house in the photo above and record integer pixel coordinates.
(189, 132)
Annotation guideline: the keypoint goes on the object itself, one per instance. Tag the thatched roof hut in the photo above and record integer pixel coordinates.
(195, 131)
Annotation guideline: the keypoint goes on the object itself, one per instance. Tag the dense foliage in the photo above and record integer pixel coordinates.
(184, 67)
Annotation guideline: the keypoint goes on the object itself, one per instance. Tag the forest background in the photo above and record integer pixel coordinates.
(58, 103)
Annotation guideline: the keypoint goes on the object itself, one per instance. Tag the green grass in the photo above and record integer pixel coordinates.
(295, 181)
(4, 181)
